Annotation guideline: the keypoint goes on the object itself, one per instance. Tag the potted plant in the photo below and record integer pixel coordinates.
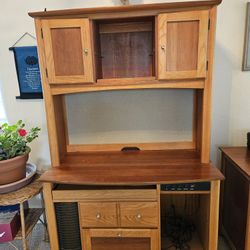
(14, 151)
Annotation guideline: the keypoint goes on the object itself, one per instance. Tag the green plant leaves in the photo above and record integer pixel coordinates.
(14, 139)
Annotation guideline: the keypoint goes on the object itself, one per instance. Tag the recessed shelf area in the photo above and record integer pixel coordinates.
(124, 48)
(188, 213)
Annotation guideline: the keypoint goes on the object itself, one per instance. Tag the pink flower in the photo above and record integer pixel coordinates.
(22, 132)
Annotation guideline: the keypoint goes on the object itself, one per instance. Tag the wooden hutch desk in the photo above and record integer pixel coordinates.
(118, 188)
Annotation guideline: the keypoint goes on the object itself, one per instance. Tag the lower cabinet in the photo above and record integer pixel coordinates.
(120, 239)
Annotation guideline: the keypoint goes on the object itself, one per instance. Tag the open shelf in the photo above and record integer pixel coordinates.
(140, 167)
(30, 221)
(136, 38)
(189, 210)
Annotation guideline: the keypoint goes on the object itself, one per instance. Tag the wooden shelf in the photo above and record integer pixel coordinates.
(124, 84)
(143, 167)
(30, 221)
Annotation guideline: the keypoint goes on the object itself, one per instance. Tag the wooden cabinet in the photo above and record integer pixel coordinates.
(182, 44)
(68, 52)
(122, 239)
(147, 46)
(235, 206)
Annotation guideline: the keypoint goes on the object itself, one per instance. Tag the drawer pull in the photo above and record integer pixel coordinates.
(98, 216)
(119, 234)
(138, 216)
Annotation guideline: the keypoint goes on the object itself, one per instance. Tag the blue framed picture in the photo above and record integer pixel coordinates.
(28, 72)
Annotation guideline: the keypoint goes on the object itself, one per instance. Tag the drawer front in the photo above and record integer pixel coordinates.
(98, 214)
(139, 214)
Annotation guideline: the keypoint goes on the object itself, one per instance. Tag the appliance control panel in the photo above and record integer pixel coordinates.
(195, 186)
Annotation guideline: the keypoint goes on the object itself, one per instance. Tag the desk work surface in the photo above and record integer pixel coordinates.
(135, 168)
(240, 156)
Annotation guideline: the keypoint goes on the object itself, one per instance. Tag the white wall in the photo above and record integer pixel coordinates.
(231, 102)
(231, 92)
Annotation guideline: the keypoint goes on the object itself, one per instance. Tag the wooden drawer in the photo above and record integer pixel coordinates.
(139, 214)
(98, 214)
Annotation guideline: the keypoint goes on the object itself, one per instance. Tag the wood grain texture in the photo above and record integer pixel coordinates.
(125, 27)
(126, 54)
(182, 44)
(127, 239)
(49, 101)
(124, 84)
(66, 44)
(104, 195)
(139, 214)
(137, 8)
(236, 193)
(121, 244)
(214, 215)
(50, 215)
(207, 93)
(146, 167)
(98, 214)
(241, 157)
(118, 147)
(68, 50)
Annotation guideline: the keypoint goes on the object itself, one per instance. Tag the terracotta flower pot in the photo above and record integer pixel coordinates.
(13, 169)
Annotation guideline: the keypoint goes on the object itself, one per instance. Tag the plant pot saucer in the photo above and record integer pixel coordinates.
(30, 173)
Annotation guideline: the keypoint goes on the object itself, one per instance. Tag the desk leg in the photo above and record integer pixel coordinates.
(51, 216)
(214, 215)
(25, 247)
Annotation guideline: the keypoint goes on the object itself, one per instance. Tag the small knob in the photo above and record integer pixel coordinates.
(163, 47)
(98, 216)
(138, 216)
(119, 234)
(86, 51)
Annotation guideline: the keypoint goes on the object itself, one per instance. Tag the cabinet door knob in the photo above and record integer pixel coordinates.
(163, 47)
(86, 51)
(138, 216)
(98, 216)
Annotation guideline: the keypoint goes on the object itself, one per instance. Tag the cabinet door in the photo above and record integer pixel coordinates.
(120, 239)
(68, 51)
(182, 45)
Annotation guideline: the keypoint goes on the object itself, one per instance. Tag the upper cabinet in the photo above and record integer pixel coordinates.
(68, 52)
(182, 44)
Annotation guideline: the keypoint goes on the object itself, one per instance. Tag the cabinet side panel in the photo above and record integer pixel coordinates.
(49, 104)
(207, 93)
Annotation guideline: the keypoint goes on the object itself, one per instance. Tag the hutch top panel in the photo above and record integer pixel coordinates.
(160, 7)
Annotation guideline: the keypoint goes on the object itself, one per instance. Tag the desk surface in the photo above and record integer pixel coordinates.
(132, 168)
(240, 156)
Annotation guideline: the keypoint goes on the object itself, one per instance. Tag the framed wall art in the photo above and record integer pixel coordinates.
(246, 55)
